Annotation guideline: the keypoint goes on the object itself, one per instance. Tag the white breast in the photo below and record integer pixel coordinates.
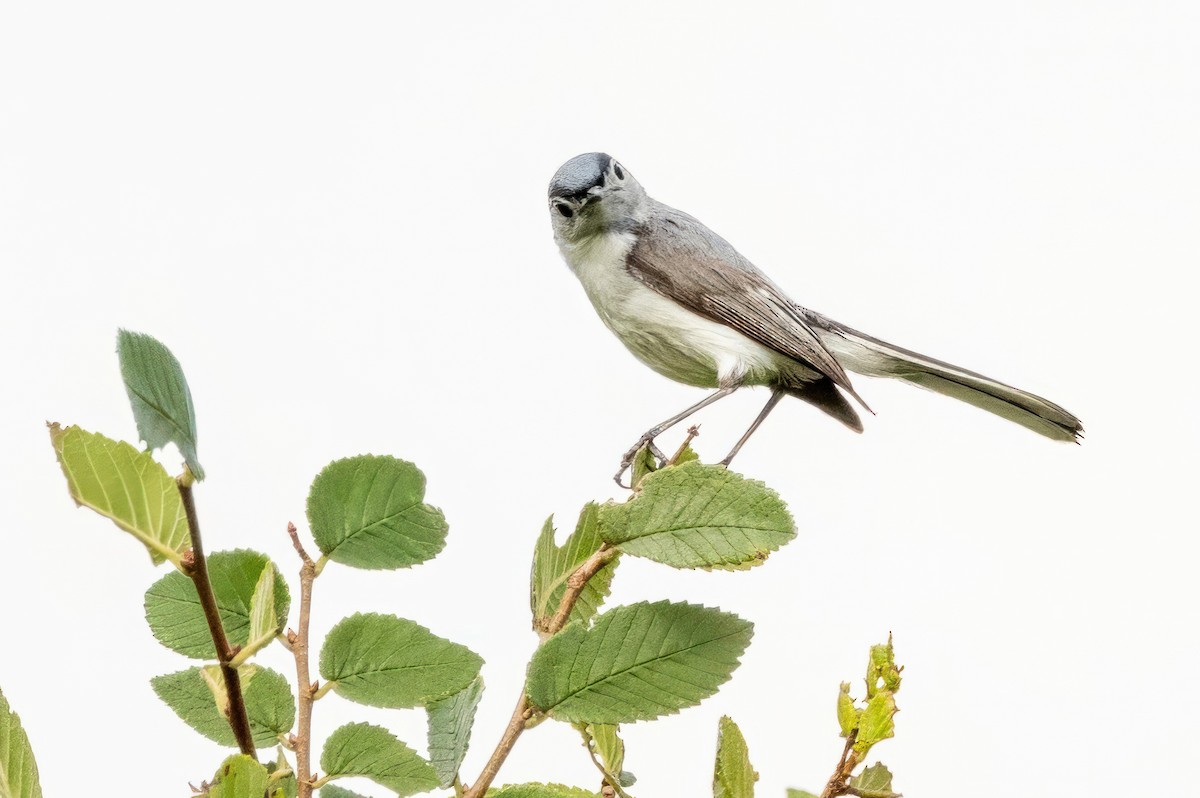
(672, 340)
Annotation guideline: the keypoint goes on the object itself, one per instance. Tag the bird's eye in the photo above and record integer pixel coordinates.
(619, 171)
(564, 209)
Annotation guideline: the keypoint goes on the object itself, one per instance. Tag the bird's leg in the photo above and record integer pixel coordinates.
(660, 428)
(776, 395)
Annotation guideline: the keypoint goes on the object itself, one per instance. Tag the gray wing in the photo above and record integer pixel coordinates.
(680, 258)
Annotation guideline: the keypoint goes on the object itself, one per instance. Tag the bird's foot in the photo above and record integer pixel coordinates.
(647, 441)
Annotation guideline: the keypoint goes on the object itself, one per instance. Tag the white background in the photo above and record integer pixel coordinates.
(335, 216)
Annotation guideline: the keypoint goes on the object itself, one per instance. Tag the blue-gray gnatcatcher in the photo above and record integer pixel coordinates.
(689, 306)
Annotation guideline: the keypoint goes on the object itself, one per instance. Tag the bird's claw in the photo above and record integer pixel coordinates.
(628, 458)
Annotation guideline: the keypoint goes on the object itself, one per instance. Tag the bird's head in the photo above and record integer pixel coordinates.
(593, 193)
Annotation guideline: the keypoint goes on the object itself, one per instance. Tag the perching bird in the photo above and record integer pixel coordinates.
(689, 306)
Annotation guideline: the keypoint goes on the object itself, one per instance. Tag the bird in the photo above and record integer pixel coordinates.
(691, 307)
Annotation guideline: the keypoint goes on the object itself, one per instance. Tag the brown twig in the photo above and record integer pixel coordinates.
(692, 433)
(526, 712)
(195, 565)
(302, 741)
(838, 783)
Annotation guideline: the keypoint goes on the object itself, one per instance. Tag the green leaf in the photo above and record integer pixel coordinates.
(882, 672)
(175, 616)
(606, 741)
(18, 770)
(553, 566)
(637, 662)
(240, 776)
(367, 512)
(334, 791)
(126, 486)
(699, 516)
(360, 749)
(282, 783)
(644, 464)
(385, 661)
(686, 456)
(532, 790)
(159, 395)
(265, 624)
(847, 713)
(794, 793)
(874, 782)
(733, 775)
(198, 698)
(876, 721)
(450, 721)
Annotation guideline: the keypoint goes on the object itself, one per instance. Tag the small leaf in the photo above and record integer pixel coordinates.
(126, 486)
(847, 713)
(18, 770)
(532, 790)
(637, 662)
(175, 616)
(360, 749)
(199, 699)
(733, 775)
(450, 721)
(553, 566)
(686, 456)
(334, 791)
(794, 793)
(606, 740)
(282, 783)
(699, 516)
(876, 722)
(882, 672)
(385, 661)
(367, 512)
(644, 464)
(240, 776)
(265, 624)
(159, 395)
(874, 782)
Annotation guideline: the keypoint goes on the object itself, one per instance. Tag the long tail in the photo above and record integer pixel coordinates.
(861, 353)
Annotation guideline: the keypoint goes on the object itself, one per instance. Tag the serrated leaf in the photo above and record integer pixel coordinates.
(847, 713)
(699, 516)
(637, 662)
(532, 790)
(159, 395)
(553, 566)
(876, 721)
(176, 618)
(367, 512)
(733, 775)
(874, 782)
(199, 700)
(385, 661)
(18, 769)
(450, 721)
(265, 624)
(126, 486)
(360, 749)
(240, 776)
